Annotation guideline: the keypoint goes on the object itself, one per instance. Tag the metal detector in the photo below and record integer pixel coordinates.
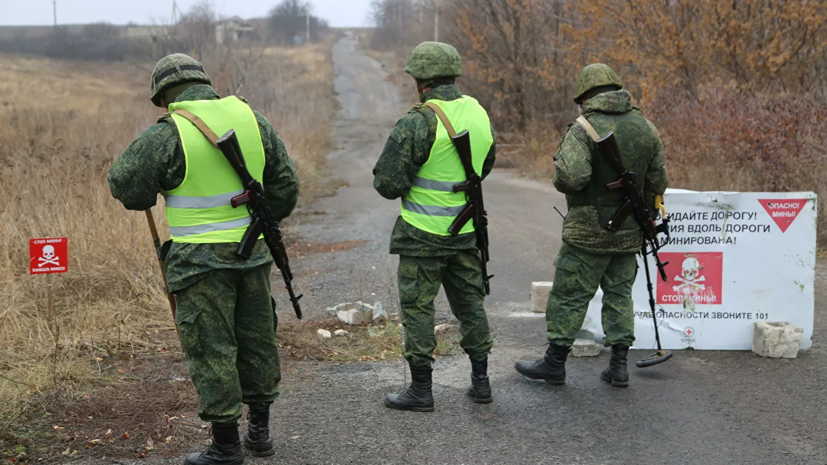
(661, 355)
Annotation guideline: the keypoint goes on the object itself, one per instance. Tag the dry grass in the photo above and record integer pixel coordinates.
(58, 136)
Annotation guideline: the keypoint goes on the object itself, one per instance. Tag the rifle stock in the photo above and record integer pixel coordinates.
(261, 220)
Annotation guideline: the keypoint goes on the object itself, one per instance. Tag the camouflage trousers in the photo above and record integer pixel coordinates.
(226, 327)
(419, 281)
(576, 281)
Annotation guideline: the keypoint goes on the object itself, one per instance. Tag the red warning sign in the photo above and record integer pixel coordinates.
(693, 278)
(783, 211)
(49, 255)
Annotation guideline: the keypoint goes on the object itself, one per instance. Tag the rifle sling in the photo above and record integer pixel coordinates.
(589, 128)
(200, 124)
(442, 117)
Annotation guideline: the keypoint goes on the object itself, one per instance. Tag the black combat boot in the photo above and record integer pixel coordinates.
(617, 373)
(480, 390)
(417, 397)
(551, 368)
(257, 440)
(224, 450)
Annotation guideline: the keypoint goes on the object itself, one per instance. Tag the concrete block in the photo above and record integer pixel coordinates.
(586, 348)
(379, 314)
(539, 295)
(777, 339)
(352, 317)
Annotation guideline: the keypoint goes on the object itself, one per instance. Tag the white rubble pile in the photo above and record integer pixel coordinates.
(323, 334)
(585, 348)
(358, 313)
(776, 339)
(439, 329)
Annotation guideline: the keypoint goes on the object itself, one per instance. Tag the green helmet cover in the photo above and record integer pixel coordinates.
(431, 60)
(595, 75)
(172, 70)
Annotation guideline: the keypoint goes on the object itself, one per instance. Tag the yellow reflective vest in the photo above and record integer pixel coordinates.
(199, 211)
(431, 205)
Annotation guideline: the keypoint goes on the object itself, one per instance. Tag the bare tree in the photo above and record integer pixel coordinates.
(294, 18)
(198, 25)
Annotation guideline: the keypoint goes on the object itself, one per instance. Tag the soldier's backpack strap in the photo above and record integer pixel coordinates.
(589, 128)
(200, 124)
(442, 117)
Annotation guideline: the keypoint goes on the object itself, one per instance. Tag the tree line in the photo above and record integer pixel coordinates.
(522, 55)
(737, 88)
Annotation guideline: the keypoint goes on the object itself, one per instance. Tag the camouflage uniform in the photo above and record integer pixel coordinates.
(225, 315)
(428, 260)
(592, 256)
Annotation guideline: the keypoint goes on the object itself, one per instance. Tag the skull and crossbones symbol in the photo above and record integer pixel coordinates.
(690, 277)
(48, 257)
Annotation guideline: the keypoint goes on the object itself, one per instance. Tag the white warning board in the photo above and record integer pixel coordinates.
(734, 259)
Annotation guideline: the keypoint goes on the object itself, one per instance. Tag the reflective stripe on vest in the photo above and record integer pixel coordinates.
(432, 205)
(186, 231)
(199, 210)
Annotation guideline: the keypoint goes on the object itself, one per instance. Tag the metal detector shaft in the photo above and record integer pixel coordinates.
(650, 288)
(661, 355)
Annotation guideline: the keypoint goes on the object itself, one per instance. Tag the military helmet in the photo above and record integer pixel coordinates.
(431, 60)
(593, 76)
(172, 70)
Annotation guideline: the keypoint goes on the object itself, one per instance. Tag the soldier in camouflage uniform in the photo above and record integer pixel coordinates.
(420, 165)
(591, 255)
(225, 313)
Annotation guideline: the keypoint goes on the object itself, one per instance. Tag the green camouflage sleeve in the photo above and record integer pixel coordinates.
(149, 165)
(573, 161)
(280, 180)
(656, 179)
(488, 165)
(406, 150)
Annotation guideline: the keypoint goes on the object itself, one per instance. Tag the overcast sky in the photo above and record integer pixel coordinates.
(339, 13)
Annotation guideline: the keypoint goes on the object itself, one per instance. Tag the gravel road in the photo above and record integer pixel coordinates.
(700, 408)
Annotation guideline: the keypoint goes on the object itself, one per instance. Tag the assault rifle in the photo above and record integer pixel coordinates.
(475, 210)
(634, 204)
(262, 221)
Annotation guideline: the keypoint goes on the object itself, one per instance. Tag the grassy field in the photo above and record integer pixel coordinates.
(110, 330)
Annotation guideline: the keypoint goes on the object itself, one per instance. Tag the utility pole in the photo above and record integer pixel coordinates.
(308, 25)
(436, 21)
(175, 12)
(54, 10)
